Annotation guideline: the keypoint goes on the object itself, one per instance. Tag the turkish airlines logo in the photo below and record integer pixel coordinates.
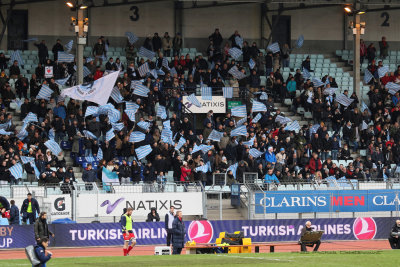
(364, 228)
(201, 231)
(111, 207)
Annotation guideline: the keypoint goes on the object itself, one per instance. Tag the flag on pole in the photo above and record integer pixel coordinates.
(382, 71)
(227, 91)
(252, 64)
(293, 126)
(300, 41)
(62, 82)
(16, 170)
(330, 91)
(250, 142)
(344, 100)
(144, 125)
(143, 151)
(317, 82)
(33, 39)
(264, 96)
(22, 134)
(241, 121)
(255, 153)
(53, 146)
(258, 106)
(162, 112)
(31, 117)
(393, 87)
(44, 93)
(314, 128)
(236, 73)
(306, 74)
(131, 106)
(165, 63)
(143, 52)
(141, 90)
(256, 118)
(241, 130)
(16, 56)
(3, 132)
(239, 111)
(117, 126)
(91, 110)
(99, 154)
(233, 168)
(69, 45)
(215, 136)
(26, 160)
(364, 107)
(132, 38)
(235, 52)
(282, 120)
(192, 99)
(167, 124)
(144, 69)
(116, 95)
(65, 57)
(136, 137)
(181, 142)
(367, 76)
(206, 93)
(113, 115)
(364, 126)
(89, 135)
(274, 48)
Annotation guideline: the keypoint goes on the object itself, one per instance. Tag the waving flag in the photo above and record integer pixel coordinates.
(367, 76)
(132, 38)
(241, 121)
(26, 160)
(33, 39)
(344, 100)
(236, 73)
(141, 90)
(136, 137)
(110, 135)
(252, 64)
(192, 99)
(144, 69)
(22, 134)
(45, 93)
(204, 168)
(99, 154)
(109, 178)
(162, 112)
(274, 48)
(166, 136)
(89, 134)
(181, 142)
(364, 126)
(256, 118)
(300, 41)
(364, 107)
(91, 110)
(144, 125)
(98, 91)
(131, 106)
(282, 120)
(241, 130)
(264, 96)
(69, 45)
(53, 146)
(3, 132)
(16, 171)
(235, 52)
(116, 95)
(239, 111)
(306, 74)
(239, 41)
(294, 126)
(206, 93)
(317, 82)
(117, 126)
(114, 115)
(143, 52)
(154, 73)
(52, 134)
(393, 87)
(227, 91)
(31, 117)
(131, 115)
(143, 151)
(62, 82)
(65, 57)
(165, 63)
(382, 71)
(16, 56)
(258, 106)
(233, 168)
(330, 91)
(255, 153)
(215, 136)
(314, 128)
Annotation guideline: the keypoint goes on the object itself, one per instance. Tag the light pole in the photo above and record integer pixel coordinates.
(81, 25)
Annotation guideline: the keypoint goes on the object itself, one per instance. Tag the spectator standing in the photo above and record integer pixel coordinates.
(41, 228)
(285, 56)
(363, 51)
(43, 52)
(384, 47)
(29, 208)
(14, 213)
(177, 44)
(99, 51)
(156, 43)
(58, 47)
(167, 44)
(179, 232)
(169, 219)
(153, 216)
(216, 37)
(89, 176)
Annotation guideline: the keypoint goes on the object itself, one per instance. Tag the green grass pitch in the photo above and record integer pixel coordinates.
(334, 258)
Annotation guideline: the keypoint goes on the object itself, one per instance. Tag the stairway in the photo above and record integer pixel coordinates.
(228, 212)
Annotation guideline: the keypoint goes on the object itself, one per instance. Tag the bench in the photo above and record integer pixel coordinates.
(193, 249)
(272, 246)
(231, 248)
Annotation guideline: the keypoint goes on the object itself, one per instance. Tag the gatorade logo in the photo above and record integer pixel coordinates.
(200, 231)
(59, 204)
(364, 228)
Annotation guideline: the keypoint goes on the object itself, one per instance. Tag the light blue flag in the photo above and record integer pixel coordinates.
(294, 126)
(62, 82)
(3, 132)
(264, 96)
(117, 126)
(116, 95)
(344, 100)
(143, 52)
(109, 178)
(233, 168)
(367, 76)
(33, 39)
(252, 64)
(16, 170)
(26, 160)
(205, 148)
(132, 38)
(110, 135)
(249, 143)
(204, 168)
(131, 106)
(52, 134)
(173, 71)
(69, 45)
(91, 110)
(274, 48)
(167, 124)
(45, 93)
(255, 153)
(114, 115)
(89, 134)
(382, 71)
(143, 151)
(89, 59)
(393, 87)
(136, 137)
(144, 69)
(206, 93)
(141, 90)
(160, 72)
(239, 111)
(227, 91)
(314, 128)
(33, 165)
(153, 73)
(65, 57)
(330, 91)
(16, 56)
(235, 52)
(300, 41)
(317, 82)
(306, 74)
(215, 136)
(258, 106)
(22, 134)
(196, 148)
(241, 130)
(86, 72)
(144, 125)
(18, 102)
(239, 41)
(241, 122)
(236, 73)
(103, 109)
(364, 126)
(162, 112)
(99, 154)
(53, 146)
(192, 99)
(180, 143)
(282, 120)
(90, 159)
(165, 63)
(256, 118)
(5, 126)
(364, 107)
(135, 83)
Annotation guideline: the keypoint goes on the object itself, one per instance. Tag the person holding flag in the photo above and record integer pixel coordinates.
(127, 231)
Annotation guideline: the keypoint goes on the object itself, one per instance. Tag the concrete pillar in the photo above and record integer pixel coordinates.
(356, 60)
(80, 41)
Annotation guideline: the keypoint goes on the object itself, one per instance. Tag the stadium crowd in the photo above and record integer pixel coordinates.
(285, 154)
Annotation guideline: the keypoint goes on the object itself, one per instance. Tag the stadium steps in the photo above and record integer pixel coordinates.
(228, 212)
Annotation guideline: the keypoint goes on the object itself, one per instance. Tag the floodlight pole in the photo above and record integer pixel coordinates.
(356, 47)
(81, 42)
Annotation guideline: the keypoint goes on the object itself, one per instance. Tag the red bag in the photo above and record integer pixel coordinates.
(6, 214)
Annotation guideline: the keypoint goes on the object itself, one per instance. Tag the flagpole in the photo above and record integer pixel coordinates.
(356, 60)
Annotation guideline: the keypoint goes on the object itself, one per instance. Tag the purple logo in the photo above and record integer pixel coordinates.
(111, 207)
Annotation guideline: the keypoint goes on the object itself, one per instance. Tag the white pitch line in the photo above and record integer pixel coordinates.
(257, 258)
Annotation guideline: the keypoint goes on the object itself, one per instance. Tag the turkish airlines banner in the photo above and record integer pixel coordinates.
(154, 233)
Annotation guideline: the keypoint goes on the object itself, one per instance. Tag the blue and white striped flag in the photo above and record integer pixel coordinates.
(53, 146)
(196, 148)
(143, 151)
(236, 73)
(99, 154)
(215, 135)
(144, 125)
(294, 126)
(258, 107)
(344, 100)
(131, 115)
(132, 38)
(241, 130)
(160, 72)
(162, 112)
(227, 91)
(144, 69)
(153, 72)
(167, 124)
(91, 110)
(235, 52)
(256, 118)
(233, 168)
(241, 122)
(117, 126)
(114, 115)
(3, 132)
(22, 134)
(52, 134)
(180, 143)
(16, 170)
(68, 46)
(306, 74)
(131, 106)
(282, 120)
(110, 134)
(62, 82)
(317, 82)
(364, 107)
(45, 93)
(136, 137)
(206, 93)
(192, 99)
(382, 71)
(16, 56)
(90, 159)
(364, 126)
(141, 90)
(393, 87)
(274, 48)
(330, 91)
(249, 143)
(165, 63)
(239, 111)
(65, 57)
(31, 117)
(173, 71)
(89, 134)
(204, 168)
(166, 136)
(135, 83)
(314, 128)
(300, 41)
(33, 165)
(239, 41)
(143, 52)
(264, 96)
(33, 39)
(255, 153)
(367, 76)
(86, 72)
(252, 64)
(205, 148)
(89, 59)
(116, 95)
(6, 125)
(26, 160)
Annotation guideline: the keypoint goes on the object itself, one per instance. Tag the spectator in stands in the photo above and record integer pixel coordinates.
(110, 65)
(177, 44)
(29, 208)
(156, 43)
(14, 70)
(185, 171)
(14, 213)
(315, 163)
(306, 64)
(99, 51)
(58, 47)
(67, 186)
(178, 233)
(270, 156)
(124, 173)
(384, 47)
(363, 51)
(167, 44)
(286, 56)
(233, 39)
(216, 38)
(270, 177)
(153, 216)
(43, 52)
(269, 60)
(371, 53)
(3, 61)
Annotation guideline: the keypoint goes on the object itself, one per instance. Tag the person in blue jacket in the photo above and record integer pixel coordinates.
(270, 156)
(42, 253)
(14, 214)
(29, 208)
(270, 177)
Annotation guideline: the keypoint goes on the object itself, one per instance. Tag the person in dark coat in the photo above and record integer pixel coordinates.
(153, 216)
(394, 239)
(178, 233)
(58, 47)
(169, 219)
(29, 208)
(42, 253)
(89, 176)
(14, 214)
(43, 52)
(304, 245)
(41, 228)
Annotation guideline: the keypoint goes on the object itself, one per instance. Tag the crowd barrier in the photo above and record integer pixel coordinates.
(153, 233)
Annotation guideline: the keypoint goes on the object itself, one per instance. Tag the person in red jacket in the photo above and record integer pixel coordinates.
(315, 163)
(185, 171)
(98, 74)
